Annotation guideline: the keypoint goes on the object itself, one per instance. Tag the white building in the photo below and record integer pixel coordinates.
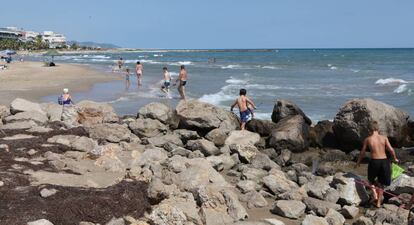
(30, 35)
(54, 40)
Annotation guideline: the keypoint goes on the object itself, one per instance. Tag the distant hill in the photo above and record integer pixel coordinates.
(93, 44)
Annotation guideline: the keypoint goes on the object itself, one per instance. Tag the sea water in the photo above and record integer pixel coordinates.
(319, 81)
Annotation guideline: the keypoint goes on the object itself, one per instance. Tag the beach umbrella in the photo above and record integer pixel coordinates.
(52, 53)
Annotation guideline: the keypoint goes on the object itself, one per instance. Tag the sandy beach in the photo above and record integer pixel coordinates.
(32, 81)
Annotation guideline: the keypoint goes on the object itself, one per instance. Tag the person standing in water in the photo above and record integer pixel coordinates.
(127, 79)
(139, 69)
(166, 82)
(120, 64)
(182, 78)
(379, 167)
(242, 102)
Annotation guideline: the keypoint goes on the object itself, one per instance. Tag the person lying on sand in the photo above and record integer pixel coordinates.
(242, 102)
(379, 167)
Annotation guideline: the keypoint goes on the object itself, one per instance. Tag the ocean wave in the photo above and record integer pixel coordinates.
(149, 61)
(232, 67)
(232, 80)
(401, 89)
(333, 68)
(101, 60)
(158, 55)
(180, 63)
(96, 56)
(270, 67)
(390, 81)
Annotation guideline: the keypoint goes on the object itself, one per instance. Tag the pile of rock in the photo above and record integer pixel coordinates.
(199, 168)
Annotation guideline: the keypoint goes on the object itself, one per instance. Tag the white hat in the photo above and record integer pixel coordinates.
(65, 90)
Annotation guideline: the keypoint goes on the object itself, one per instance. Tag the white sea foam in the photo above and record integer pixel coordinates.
(263, 116)
(401, 89)
(180, 63)
(334, 68)
(232, 67)
(270, 67)
(355, 70)
(390, 81)
(232, 80)
(158, 55)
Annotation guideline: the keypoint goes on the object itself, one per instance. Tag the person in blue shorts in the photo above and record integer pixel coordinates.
(242, 103)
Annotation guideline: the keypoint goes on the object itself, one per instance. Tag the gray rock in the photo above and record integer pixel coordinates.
(206, 147)
(1, 183)
(262, 161)
(205, 117)
(195, 154)
(350, 211)
(254, 200)
(4, 111)
(350, 192)
(79, 143)
(262, 127)
(40, 222)
(21, 105)
(363, 221)
(284, 158)
(246, 186)
(147, 128)
(114, 133)
(187, 135)
(291, 133)
(39, 129)
(314, 220)
(221, 162)
(352, 121)
(253, 174)
(289, 208)
(278, 183)
(21, 125)
(35, 116)
(217, 136)
(322, 135)
(166, 214)
(162, 140)
(116, 221)
(274, 222)
(234, 207)
(319, 207)
(180, 151)
(317, 187)
(284, 109)
(47, 192)
(161, 112)
(151, 156)
(242, 137)
(333, 217)
(246, 152)
(295, 194)
(53, 111)
(93, 113)
(402, 184)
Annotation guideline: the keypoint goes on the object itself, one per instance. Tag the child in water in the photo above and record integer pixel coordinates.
(127, 78)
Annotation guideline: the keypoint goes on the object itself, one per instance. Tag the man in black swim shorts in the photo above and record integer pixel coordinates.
(379, 168)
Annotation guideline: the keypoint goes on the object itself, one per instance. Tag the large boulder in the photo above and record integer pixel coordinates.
(110, 132)
(353, 119)
(242, 137)
(35, 116)
(322, 135)
(204, 117)
(53, 111)
(161, 112)
(350, 191)
(319, 207)
(314, 220)
(206, 147)
(217, 136)
(22, 105)
(284, 109)
(147, 127)
(278, 183)
(289, 208)
(290, 133)
(402, 184)
(79, 143)
(90, 113)
(262, 127)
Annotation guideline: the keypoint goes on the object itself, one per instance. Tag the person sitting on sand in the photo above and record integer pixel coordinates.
(182, 78)
(242, 102)
(379, 167)
(69, 113)
(139, 68)
(127, 79)
(167, 81)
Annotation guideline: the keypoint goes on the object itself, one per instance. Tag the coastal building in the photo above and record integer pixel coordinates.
(10, 33)
(53, 39)
(30, 35)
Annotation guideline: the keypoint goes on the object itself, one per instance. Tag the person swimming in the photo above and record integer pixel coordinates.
(166, 82)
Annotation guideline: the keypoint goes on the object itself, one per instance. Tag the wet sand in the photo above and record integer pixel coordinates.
(32, 81)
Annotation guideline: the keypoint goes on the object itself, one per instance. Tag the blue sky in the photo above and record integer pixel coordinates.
(221, 23)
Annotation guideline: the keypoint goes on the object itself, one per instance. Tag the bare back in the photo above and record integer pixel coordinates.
(183, 75)
(242, 103)
(377, 144)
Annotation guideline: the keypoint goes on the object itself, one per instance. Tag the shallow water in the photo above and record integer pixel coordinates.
(320, 81)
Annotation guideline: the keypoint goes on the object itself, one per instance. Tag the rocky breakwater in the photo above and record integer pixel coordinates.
(188, 165)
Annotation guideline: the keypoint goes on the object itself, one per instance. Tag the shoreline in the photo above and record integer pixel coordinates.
(46, 81)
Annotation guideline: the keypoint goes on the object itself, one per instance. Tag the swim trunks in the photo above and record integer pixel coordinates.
(379, 169)
(127, 77)
(166, 84)
(183, 82)
(245, 116)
